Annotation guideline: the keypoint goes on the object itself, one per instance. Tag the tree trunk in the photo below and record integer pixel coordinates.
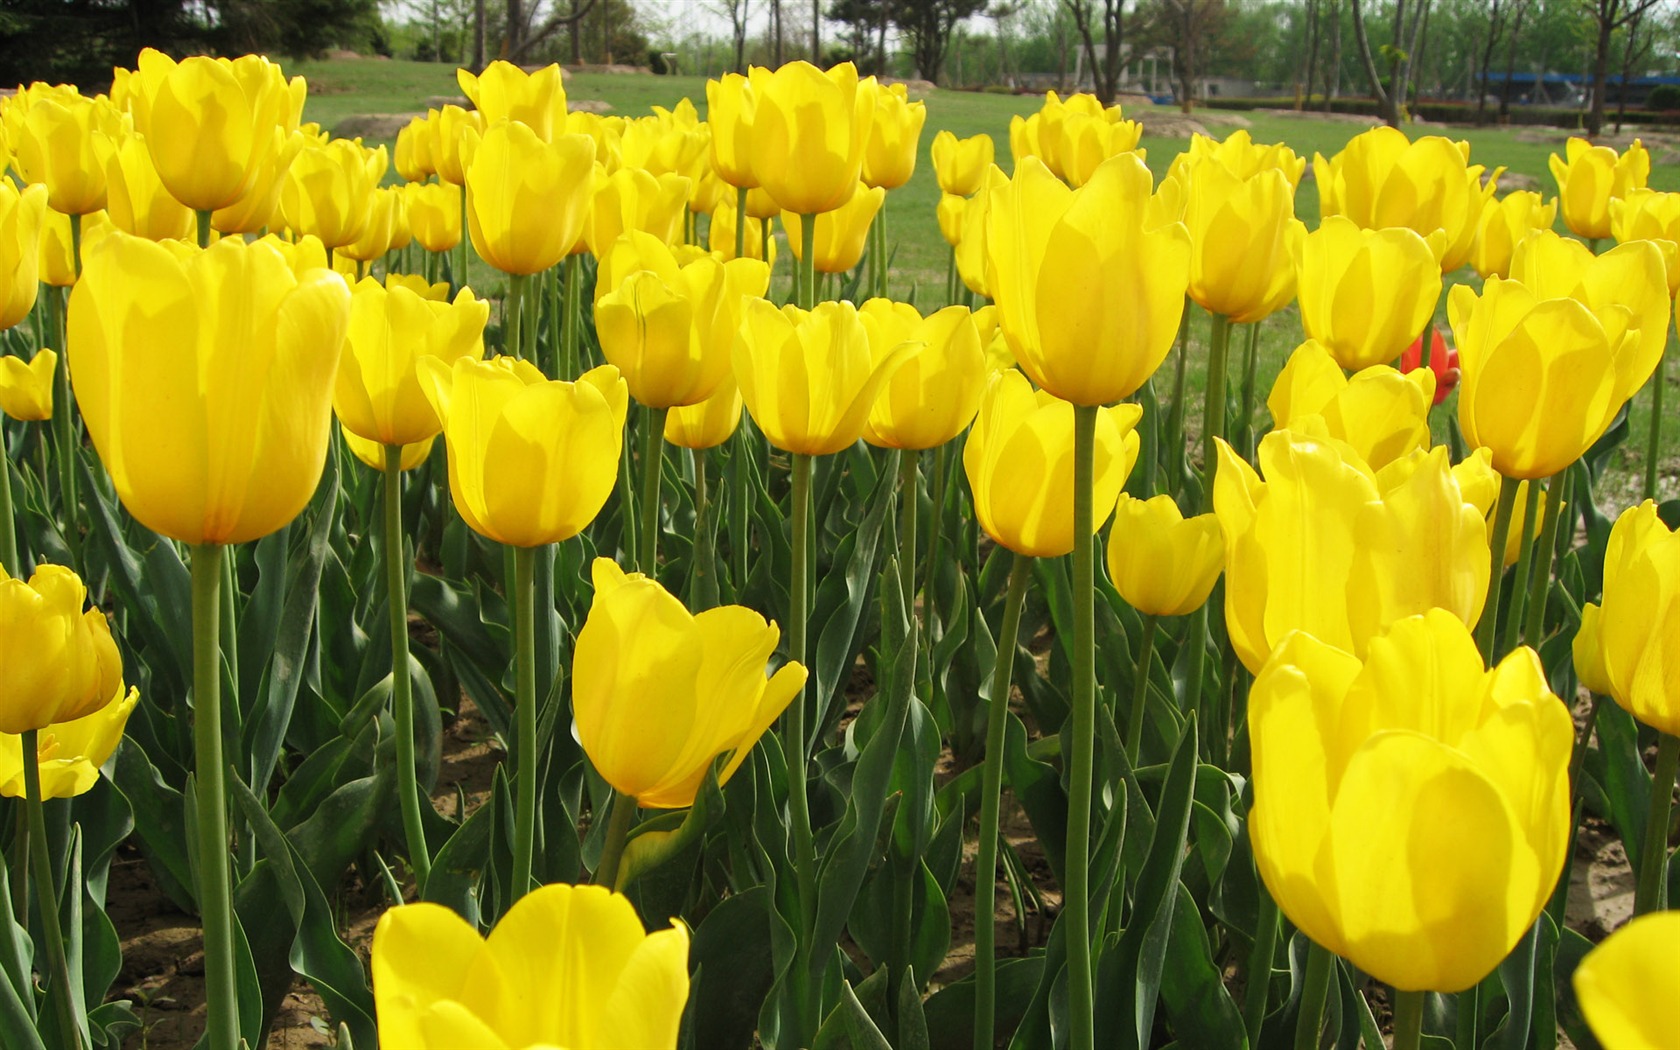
(1601, 66)
(1495, 26)
(816, 32)
(881, 42)
(1385, 106)
(1511, 61)
(1335, 88)
(1185, 57)
(1114, 35)
(776, 32)
(478, 35)
(1312, 48)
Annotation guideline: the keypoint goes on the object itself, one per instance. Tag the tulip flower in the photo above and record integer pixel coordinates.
(960, 164)
(720, 237)
(1242, 156)
(372, 453)
(1411, 810)
(1514, 539)
(1382, 179)
(1365, 293)
(69, 753)
(385, 220)
(671, 141)
(506, 92)
(970, 256)
(209, 122)
(328, 192)
(1589, 177)
(138, 201)
(1244, 239)
(658, 693)
(1628, 986)
(1382, 413)
(889, 158)
(566, 966)
(64, 140)
(1088, 295)
(26, 389)
(1587, 653)
(57, 256)
(840, 234)
(934, 393)
(1084, 141)
(21, 216)
(1373, 533)
(453, 122)
(1019, 462)
(1162, 563)
(260, 207)
(1630, 276)
(527, 199)
(808, 377)
(63, 664)
(1639, 615)
(1443, 362)
(809, 133)
(1649, 215)
(413, 154)
(631, 199)
(951, 213)
(1504, 224)
(709, 423)
(730, 108)
(530, 461)
(434, 215)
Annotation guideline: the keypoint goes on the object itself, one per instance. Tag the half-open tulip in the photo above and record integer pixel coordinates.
(1638, 624)
(838, 243)
(328, 192)
(1629, 276)
(959, 164)
(631, 199)
(810, 129)
(566, 966)
(61, 661)
(64, 141)
(1088, 293)
(1652, 216)
(506, 92)
(259, 208)
(434, 215)
(21, 217)
(1244, 239)
(205, 378)
(1411, 811)
(1161, 562)
(934, 394)
(889, 158)
(709, 423)
(452, 125)
(137, 200)
(531, 461)
(1365, 293)
(1629, 986)
(658, 692)
(730, 108)
(1505, 222)
(1381, 412)
(26, 389)
(1242, 156)
(973, 265)
(378, 395)
(1589, 177)
(1019, 462)
(68, 753)
(413, 154)
(527, 199)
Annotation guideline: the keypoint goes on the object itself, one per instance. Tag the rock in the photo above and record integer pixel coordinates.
(588, 105)
(373, 127)
(1169, 125)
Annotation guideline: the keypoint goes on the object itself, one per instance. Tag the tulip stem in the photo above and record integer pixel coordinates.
(985, 874)
(1408, 1020)
(1525, 557)
(1213, 407)
(215, 900)
(1076, 899)
(909, 478)
(525, 704)
(402, 690)
(1175, 418)
(204, 216)
(513, 336)
(1653, 441)
(935, 535)
(653, 456)
(1650, 895)
(1469, 1015)
(1309, 1021)
(705, 550)
(795, 745)
(64, 429)
(1245, 426)
(739, 537)
(8, 524)
(570, 304)
(1540, 583)
(951, 277)
(46, 895)
(1258, 992)
(741, 222)
(1485, 628)
(1140, 688)
(808, 261)
(460, 273)
(619, 822)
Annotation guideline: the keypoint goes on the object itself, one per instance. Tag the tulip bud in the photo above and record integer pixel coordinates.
(934, 394)
(26, 390)
(1365, 293)
(61, 661)
(960, 164)
(1162, 563)
(1589, 177)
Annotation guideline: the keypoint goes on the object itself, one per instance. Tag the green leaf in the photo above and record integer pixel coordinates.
(1198, 1006)
(731, 960)
(949, 1012)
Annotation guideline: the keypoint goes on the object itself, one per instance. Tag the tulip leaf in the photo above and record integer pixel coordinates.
(1038, 788)
(1619, 787)
(457, 867)
(1198, 1006)
(837, 612)
(17, 1027)
(949, 1012)
(158, 822)
(1516, 973)
(732, 973)
(478, 643)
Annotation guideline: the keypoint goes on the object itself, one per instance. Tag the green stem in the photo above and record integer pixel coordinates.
(880, 231)
(8, 523)
(402, 690)
(653, 457)
(1540, 583)
(1213, 405)
(908, 487)
(1525, 556)
(765, 236)
(1149, 454)
(460, 274)
(1469, 1013)
(1651, 892)
(951, 278)
(1245, 426)
(1257, 994)
(204, 231)
(215, 899)
(20, 862)
(573, 297)
(738, 519)
(705, 556)
(1079, 750)
(525, 704)
(619, 822)
(935, 535)
(1408, 1020)
(795, 745)
(741, 221)
(1653, 441)
(555, 297)
(991, 791)
(808, 261)
(513, 316)
(64, 430)
(1485, 634)
(46, 896)
(1307, 1023)
(1140, 688)
(1175, 418)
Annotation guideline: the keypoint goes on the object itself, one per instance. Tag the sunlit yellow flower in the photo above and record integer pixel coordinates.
(452, 125)
(1638, 622)
(672, 141)
(1505, 222)
(138, 201)
(631, 199)
(809, 132)
(1244, 239)
(414, 154)
(951, 213)
(889, 159)
(61, 662)
(934, 394)
(1365, 293)
(1161, 562)
(960, 164)
(1084, 141)
(68, 753)
(64, 140)
(372, 453)
(720, 237)
(1629, 276)
(259, 208)
(840, 234)
(57, 255)
(26, 389)
(1381, 412)
(506, 92)
(527, 199)
(378, 395)
(328, 192)
(385, 222)
(973, 265)
(1589, 177)
(1649, 215)
(1628, 986)
(434, 215)
(21, 218)
(1242, 156)
(709, 423)
(730, 107)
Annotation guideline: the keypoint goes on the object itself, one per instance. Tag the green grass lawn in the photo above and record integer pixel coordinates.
(340, 89)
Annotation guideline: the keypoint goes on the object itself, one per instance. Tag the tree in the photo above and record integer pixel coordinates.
(1191, 29)
(1105, 75)
(1607, 16)
(927, 27)
(1390, 92)
(738, 13)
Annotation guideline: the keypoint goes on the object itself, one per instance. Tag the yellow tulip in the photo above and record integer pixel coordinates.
(26, 390)
(720, 236)
(808, 378)
(1589, 177)
(1161, 562)
(385, 222)
(1242, 156)
(730, 107)
(205, 378)
(1629, 276)
(69, 753)
(56, 260)
(260, 207)
(671, 141)
(1505, 222)
(1411, 811)
(1629, 985)
(373, 453)
(1244, 239)
(631, 199)
(992, 342)
(1384, 544)
(1088, 294)
(671, 330)
(434, 215)
(328, 192)
(413, 154)
(1587, 653)
(530, 461)
(709, 423)
(1382, 412)
(952, 212)
(21, 218)
(453, 122)
(972, 260)
(566, 966)
(1649, 215)
(1365, 294)
(209, 122)
(506, 92)
(960, 164)
(1638, 623)
(934, 394)
(658, 693)
(64, 140)
(378, 395)
(889, 159)
(138, 201)
(527, 199)
(1541, 379)
(760, 205)
(1382, 179)
(1084, 141)
(837, 245)
(61, 661)
(1019, 462)
(1026, 138)
(809, 133)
